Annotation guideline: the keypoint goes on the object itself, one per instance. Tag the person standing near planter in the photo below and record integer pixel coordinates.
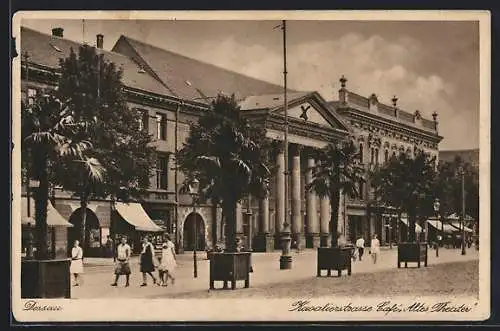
(147, 261)
(360, 246)
(123, 252)
(375, 248)
(76, 267)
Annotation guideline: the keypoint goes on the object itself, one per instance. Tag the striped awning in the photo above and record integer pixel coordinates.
(438, 225)
(135, 215)
(418, 228)
(53, 216)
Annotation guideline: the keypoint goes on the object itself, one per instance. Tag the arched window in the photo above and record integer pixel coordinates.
(376, 155)
(386, 155)
(361, 152)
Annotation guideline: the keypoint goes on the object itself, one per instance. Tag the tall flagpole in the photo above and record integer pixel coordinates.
(285, 258)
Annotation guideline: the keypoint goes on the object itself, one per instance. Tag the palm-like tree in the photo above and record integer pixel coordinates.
(227, 157)
(48, 131)
(337, 171)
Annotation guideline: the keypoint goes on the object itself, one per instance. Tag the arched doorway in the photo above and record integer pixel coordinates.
(92, 245)
(194, 224)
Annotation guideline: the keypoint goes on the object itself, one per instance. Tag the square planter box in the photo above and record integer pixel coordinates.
(334, 258)
(412, 252)
(45, 279)
(230, 267)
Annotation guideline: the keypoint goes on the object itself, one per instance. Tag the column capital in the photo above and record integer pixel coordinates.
(296, 149)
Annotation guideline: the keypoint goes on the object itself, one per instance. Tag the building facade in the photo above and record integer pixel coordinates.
(171, 91)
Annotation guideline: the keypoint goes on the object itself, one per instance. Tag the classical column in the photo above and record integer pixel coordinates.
(312, 235)
(264, 241)
(279, 217)
(324, 216)
(297, 226)
(239, 222)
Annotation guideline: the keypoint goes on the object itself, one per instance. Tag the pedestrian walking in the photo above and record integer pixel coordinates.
(122, 267)
(147, 261)
(168, 262)
(375, 248)
(360, 246)
(76, 266)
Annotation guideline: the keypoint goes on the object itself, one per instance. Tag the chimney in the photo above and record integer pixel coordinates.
(100, 40)
(58, 32)
(343, 91)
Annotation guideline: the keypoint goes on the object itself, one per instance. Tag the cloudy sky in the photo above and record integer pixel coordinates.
(430, 66)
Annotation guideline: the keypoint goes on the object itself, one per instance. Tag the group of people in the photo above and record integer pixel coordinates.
(148, 262)
(360, 248)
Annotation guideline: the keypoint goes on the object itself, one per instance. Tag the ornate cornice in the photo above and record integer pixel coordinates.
(368, 120)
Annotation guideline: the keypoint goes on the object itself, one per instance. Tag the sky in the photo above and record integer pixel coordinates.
(430, 66)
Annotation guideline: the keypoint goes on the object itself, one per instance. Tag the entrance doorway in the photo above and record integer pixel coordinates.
(194, 224)
(92, 244)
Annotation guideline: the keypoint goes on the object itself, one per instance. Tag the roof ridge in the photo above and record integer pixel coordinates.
(203, 62)
(50, 36)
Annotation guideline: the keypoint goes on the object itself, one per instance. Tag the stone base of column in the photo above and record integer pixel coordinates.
(313, 240)
(264, 242)
(325, 240)
(298, 241)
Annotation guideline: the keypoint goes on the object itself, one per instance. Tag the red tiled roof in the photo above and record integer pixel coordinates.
(46, 50)
(190, 78)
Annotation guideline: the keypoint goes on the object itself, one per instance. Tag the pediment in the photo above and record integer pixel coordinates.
(312, 109)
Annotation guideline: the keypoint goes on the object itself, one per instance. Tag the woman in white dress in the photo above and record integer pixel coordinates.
(375, 248)
(76, 267)
(168, 262)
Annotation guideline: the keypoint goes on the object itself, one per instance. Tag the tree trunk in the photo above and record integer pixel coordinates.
(334, 217)
(398, 231)
(41, 201)
(411, 226)
(83, 207)
(229, 209)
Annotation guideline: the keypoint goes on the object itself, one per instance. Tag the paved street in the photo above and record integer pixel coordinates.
(450, 273)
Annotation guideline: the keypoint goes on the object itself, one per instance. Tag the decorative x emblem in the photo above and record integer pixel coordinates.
(304, 112)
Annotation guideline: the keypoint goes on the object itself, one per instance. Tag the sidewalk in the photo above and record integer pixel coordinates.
(97, 279)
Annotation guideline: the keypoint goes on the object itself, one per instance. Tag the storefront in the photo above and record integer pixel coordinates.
(56, 234)
(132, 221)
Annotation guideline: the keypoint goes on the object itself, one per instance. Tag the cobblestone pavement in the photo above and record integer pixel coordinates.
(448, 274)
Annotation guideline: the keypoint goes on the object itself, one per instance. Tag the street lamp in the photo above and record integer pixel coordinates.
(285, 258)
(436, 210)
(193, 191)
(462, 218)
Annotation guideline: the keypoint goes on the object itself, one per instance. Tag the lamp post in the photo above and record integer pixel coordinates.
(193, 191)
(285, 258)
(436, 211)
(462, 217)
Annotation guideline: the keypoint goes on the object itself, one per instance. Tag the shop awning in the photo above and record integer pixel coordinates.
(136, 216)
(459, 228)
(53, 216)
(438, 225)
(418, 228)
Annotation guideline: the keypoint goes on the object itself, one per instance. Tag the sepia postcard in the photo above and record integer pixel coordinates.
(259, 166)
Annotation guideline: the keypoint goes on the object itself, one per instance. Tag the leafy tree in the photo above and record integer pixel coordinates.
(407, 184)
(94, 93)
(48, 133)
(227, 157)
(337, 170)
(449, 187)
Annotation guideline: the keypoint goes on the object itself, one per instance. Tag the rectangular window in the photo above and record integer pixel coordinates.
(161, 127)
(372, 155)
(386, 156)
(361, 189)
(31, 95)
(162, 172)
(376, 156)
(143, 120)
(361, 153)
